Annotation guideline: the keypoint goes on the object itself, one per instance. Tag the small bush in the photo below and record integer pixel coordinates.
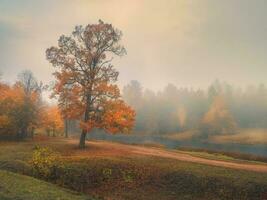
(128, 176)
(45, 163)
(107, 173)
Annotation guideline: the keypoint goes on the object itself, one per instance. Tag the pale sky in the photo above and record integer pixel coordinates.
(184, 42)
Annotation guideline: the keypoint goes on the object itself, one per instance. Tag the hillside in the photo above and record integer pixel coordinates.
(108, 170)
(19, 187)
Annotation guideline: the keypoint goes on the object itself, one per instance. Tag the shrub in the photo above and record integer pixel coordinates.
(128, 176)
(73, 176)
(107, 173)
(45, 163)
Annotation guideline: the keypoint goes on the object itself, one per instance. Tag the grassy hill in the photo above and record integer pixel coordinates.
(111, 171)
(19, 187)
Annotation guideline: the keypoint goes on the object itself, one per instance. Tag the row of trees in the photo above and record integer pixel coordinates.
(87, 93)
(84, 87)
(22, 110)
(221, 108)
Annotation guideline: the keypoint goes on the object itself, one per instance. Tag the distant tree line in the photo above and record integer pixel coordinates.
(221, 109)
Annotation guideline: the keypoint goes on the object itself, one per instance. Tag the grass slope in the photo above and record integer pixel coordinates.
(109, 171)
(153, 178)
(19, 187)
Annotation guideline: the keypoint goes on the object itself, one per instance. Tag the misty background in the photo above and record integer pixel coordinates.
(183, 42)
(199, 67)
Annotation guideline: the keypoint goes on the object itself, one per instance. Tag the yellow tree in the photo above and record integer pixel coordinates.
(218, 119)
(52, 120)
(85, 79)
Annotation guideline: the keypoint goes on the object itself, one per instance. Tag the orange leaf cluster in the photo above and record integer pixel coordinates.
(85, 78)
(52, 119)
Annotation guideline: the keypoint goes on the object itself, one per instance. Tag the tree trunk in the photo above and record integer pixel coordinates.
(86, 117)
(22, 133)
(32, 133)
(18, 136)
(82, 139)
(66, 128)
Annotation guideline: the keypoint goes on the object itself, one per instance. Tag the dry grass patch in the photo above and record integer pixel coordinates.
(250, 136)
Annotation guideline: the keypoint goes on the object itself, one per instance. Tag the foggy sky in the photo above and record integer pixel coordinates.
(184, 42)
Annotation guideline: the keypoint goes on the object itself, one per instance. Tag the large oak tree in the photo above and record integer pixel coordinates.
(85, 79)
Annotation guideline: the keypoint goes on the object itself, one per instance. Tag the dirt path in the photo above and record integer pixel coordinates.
(114, 149)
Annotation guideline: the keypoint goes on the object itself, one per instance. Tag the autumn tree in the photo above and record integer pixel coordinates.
(52, 121)
(11, 105)
(29, 111)
(10, 101)
(218, 119)
(85, 79)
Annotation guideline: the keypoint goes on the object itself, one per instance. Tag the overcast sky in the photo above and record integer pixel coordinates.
(185, 42)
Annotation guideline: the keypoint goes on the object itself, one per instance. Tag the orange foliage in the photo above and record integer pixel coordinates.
(85, 76)
(11, 99)
(52, 120)
(17, 109)
(118, 117)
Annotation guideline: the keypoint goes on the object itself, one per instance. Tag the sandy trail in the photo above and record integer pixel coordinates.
(189, 158)
(113, 149)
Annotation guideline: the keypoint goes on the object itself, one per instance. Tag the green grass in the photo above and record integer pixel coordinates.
(194, 181)
(219, 156)
(223, 155)
(19, 187)
(131, 177)
(158, 178)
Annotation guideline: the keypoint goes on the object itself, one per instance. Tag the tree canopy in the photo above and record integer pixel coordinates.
(85, 79)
